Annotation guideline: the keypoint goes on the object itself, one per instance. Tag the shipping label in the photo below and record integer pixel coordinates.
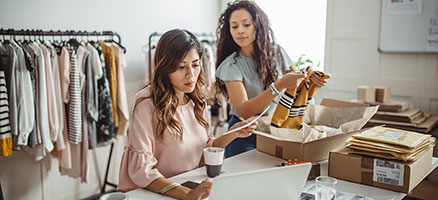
(388, 172)
(392, 135)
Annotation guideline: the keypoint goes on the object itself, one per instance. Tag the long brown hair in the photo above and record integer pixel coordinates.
(171, 49)
(263, 45)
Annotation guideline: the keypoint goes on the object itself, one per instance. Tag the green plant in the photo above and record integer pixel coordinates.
(302, 61)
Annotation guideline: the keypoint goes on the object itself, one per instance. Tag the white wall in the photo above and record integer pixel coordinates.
(23, 178)
(302, 30)
(351, 56)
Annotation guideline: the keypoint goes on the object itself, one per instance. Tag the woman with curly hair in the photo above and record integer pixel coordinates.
(251, 69)
(169, 127)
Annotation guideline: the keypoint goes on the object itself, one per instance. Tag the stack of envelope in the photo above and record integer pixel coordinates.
(390, 143)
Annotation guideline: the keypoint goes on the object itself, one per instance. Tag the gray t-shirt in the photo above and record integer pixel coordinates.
(242, 68)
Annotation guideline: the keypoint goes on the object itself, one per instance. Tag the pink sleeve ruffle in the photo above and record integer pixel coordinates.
(137, 169)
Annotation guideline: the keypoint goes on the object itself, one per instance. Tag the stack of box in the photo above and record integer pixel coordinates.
(378, 155)
(390, 143)
(374, 94)
(410, 119)
(395, 114)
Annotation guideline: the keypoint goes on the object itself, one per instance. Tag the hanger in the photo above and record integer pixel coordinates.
(10, 33)
(112, 39)
(3, 38)
(72, 41)
(25, 40)
(82, 33)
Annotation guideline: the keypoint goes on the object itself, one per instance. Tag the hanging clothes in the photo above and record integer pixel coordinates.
(77, 80)
(60, 100)
(43, 132)
(111, 69)
(30, 66)
(92, 101)
(75, 101)
(64, 156)
(105, 123)
(10, 73)
(5, 129)
(208, 63)
(25, 99)
(51, 95)
(84, 144)
(6, 60)
(59, 139)
(122, 102)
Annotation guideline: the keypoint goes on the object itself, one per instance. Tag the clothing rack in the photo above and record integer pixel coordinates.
(37, 33)
(40, 34)
(1, 192)
(155, 36)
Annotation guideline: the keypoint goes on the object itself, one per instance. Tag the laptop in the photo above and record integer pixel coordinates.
(273, 183)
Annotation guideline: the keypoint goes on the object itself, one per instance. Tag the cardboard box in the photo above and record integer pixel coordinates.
(383, 94)
(363, 169)
(424, 127)
(289, 150)
(366, 93)
(310, 151)
(414, 116)
(392, 106)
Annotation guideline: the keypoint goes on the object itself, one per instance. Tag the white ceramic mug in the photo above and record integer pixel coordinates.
(114, 196)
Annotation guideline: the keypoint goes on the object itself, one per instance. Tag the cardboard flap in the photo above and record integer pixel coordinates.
(272, 136)
(278, 138)
(339, 103)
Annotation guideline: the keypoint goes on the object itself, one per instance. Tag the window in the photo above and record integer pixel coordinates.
(299, 27)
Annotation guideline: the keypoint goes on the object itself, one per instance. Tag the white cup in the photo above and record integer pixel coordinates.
(114, 196)
(213, 157)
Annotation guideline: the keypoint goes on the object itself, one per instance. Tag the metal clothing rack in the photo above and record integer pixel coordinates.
(1, 192)
(155, 36)
(36, 33)
(40, 34)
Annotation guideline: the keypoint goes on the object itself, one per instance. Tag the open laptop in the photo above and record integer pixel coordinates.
(273, 183)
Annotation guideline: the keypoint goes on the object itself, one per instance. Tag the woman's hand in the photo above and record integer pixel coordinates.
(290, 80)
(292, 68)
(202, 191)
(318, 80)
(245, 132)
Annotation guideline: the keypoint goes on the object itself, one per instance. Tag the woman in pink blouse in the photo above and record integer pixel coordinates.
(168, 126)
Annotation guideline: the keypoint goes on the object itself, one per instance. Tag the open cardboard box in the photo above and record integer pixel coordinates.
(308, 151)
(362, 169)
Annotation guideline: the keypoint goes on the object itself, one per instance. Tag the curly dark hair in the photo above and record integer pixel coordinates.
(263, 45)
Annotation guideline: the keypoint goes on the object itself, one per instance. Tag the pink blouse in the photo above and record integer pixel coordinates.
(146, 157)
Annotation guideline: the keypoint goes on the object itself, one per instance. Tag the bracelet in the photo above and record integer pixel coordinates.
(274, 89)
(168, 187)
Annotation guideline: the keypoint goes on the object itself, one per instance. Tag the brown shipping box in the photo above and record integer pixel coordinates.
(362, 169)
(316, 150)
(310, 151)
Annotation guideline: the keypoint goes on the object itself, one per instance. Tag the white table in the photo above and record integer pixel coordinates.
(253, 160)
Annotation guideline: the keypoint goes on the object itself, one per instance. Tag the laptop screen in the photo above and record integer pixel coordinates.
(272, 183)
